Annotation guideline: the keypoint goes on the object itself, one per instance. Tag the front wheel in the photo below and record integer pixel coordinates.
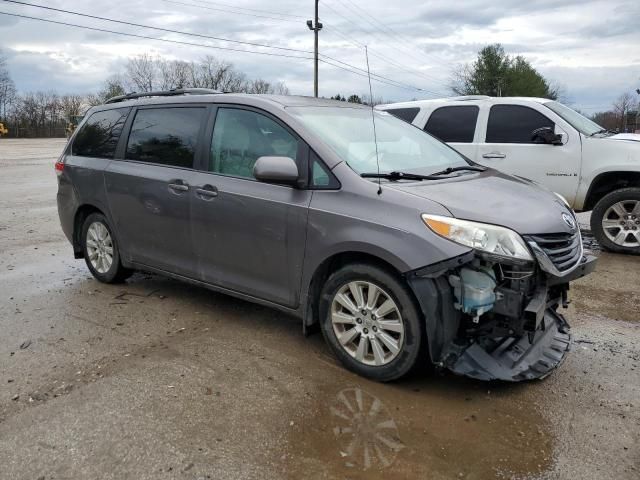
(615, 221)
(370, 320)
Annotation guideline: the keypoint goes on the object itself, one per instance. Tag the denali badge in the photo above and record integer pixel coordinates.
(568, 219)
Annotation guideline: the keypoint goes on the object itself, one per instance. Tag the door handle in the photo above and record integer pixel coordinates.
(207, 192)
(494, 155)
(179, 187)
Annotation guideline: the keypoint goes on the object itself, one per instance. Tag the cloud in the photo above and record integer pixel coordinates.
(588, 46)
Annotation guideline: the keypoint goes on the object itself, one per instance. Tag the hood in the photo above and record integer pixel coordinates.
(495, 198)
(634, 137)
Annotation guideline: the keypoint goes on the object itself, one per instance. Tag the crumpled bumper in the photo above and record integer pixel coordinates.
(515, 359)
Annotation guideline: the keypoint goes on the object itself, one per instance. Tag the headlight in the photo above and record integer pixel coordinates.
(479, 236)
(564, 200)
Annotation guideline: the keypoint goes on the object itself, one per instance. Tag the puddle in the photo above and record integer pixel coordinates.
(429, 428)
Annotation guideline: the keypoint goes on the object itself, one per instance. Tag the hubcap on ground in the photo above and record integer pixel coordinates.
(99, 247)
(621, 223)
(367, 323)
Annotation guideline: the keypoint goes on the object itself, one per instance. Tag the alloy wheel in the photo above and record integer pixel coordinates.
(621, 223)
(367, 323)
(99, 247)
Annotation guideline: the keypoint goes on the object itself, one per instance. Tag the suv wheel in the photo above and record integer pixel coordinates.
(101, 250)
(615, 221)
(370, 320)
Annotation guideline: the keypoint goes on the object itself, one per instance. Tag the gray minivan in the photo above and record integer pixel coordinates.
(400, 249)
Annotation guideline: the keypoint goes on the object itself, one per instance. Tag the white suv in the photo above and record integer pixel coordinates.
(551, 144)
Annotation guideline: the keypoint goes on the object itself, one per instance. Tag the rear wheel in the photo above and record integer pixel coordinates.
(370, 321)
(615, 221)
(101, 250)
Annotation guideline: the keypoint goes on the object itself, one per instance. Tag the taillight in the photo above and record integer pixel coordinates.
(59, 167)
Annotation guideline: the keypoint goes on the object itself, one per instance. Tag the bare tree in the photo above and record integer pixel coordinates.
(174, 74)
(71, 105)
(280, 88)
(621, 107)
(7, 88)
(141, 71)
(258, 86)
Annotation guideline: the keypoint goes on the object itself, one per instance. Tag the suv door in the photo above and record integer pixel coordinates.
(249, 236)
(508, 147)
(455, 125)
(148, 187)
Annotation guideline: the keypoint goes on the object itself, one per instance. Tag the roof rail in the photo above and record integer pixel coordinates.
(470, 97)
(163, 93)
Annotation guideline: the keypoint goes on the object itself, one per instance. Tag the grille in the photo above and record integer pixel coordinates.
(563, 249)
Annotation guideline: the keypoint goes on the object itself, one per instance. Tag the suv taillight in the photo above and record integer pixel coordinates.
(59, 166)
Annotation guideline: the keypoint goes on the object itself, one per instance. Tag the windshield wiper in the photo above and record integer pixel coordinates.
(447, 171)
(604, 130)
(395, 175)
(399, 176)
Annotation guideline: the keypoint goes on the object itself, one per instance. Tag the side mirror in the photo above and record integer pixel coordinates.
(276, 170)
(546, 135)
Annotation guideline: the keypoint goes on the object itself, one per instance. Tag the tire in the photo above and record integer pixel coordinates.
(606, 221)
(380, 364)
(98, 241)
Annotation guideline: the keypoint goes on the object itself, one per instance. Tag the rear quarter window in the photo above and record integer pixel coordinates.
(453, 124)
(98, 137)
(406, 114)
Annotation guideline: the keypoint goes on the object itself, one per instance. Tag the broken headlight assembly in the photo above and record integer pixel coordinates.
(483, 237)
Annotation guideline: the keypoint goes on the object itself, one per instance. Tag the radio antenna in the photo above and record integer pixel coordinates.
(373, 119)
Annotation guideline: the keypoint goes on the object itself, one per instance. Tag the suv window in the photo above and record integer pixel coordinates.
(453, 124)
(167, 136)
(514, 124)
(406, 114)
(99, 135)
(240, 137)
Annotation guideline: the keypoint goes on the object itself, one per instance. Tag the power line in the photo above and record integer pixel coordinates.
(228, 11)
(168, 30)
(250, 9)
(374, 34)
(68, 24)
(254, 44)
(379, 56)
(385, 59)
(179, 42)
(392, 32)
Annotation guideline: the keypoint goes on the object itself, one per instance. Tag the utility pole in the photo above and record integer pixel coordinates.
(316, 27)
(638, 112)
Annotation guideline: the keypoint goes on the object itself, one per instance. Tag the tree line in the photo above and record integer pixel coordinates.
(48, 113)
(493, 73)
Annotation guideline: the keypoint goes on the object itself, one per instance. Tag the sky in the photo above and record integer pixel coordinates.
(590, 48)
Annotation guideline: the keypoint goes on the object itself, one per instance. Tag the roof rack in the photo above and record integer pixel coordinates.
(163, 93)
(470, 97)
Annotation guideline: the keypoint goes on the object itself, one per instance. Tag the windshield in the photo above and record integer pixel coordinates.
(401, 147)
(575, 119)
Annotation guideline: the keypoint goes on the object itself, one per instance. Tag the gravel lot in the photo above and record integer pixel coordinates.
(156, 379)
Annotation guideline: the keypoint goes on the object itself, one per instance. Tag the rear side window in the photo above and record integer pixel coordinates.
(406, 114)
(168, 136)
(514, 124)
(99, 135)
(453, 124)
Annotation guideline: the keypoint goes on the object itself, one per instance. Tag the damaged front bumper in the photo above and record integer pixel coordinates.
(521, 336)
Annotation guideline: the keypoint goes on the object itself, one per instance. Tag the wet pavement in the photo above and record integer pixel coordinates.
(157, 379)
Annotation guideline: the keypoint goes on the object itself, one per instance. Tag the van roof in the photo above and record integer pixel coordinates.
(281, 101)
